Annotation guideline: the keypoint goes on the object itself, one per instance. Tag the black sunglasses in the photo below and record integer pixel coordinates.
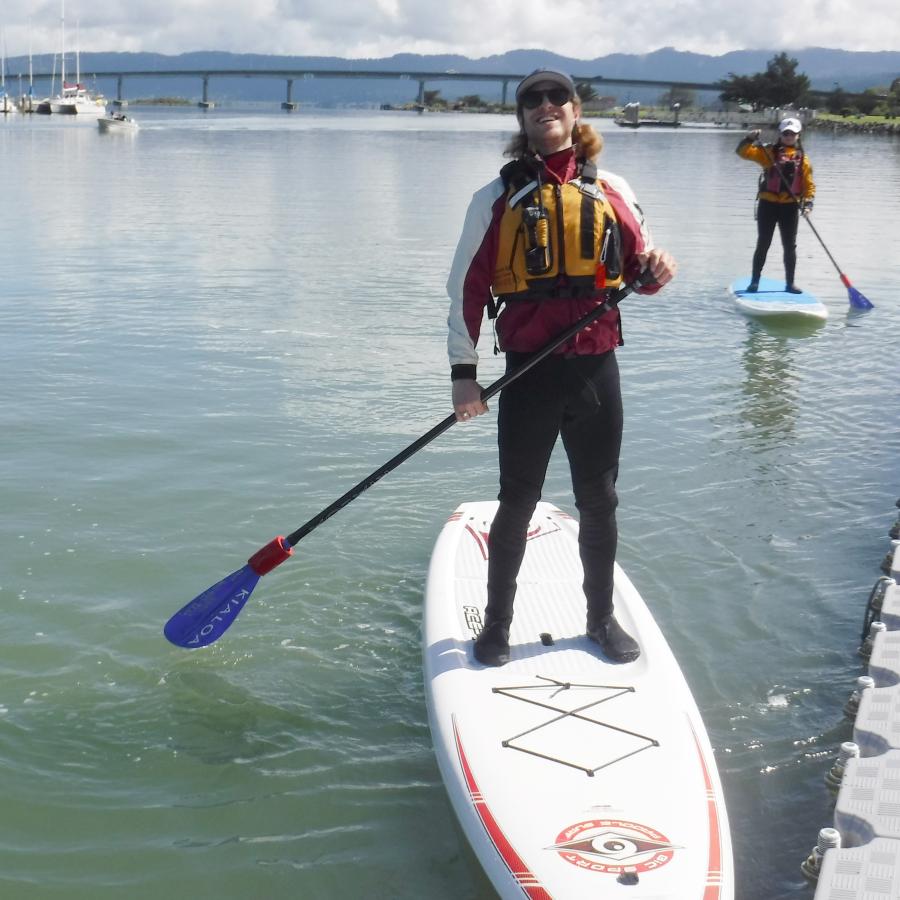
(557, 96)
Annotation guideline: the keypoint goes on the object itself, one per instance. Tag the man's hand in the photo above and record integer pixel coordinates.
(467, 399)
(660, 263)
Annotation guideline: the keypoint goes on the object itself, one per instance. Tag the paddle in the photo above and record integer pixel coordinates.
(206, 618)
(856, 298)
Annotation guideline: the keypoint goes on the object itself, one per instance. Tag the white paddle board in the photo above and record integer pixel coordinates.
(773, 300)
(570, 775)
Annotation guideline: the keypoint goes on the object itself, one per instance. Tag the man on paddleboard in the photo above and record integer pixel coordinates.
(786, 189)
(542, 245)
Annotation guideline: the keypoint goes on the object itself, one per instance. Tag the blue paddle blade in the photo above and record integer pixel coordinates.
(209, 615)
(858, 300)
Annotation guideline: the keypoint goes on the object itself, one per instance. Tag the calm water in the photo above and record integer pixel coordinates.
(213, 328)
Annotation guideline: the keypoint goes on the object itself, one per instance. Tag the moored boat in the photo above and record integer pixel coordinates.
(630, 118)
(75, 100)
(6, 102)
(648, 123)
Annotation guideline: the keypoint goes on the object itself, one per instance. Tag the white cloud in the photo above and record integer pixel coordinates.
(474, 28)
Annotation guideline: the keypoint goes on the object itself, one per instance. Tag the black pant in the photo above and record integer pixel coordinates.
(786, 216)
(578, 397)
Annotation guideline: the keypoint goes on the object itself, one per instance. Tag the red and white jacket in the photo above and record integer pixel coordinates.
(526, 326)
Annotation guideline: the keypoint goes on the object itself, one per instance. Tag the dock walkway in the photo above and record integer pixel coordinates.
(859, 857)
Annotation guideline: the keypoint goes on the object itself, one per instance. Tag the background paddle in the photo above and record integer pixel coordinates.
(206, 618)
(856, 298)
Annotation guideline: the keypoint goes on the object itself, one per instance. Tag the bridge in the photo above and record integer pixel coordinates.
(289, 76)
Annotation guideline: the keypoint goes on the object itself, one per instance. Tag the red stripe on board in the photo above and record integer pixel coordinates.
(516, 865)
(714, 868)
(480, 539)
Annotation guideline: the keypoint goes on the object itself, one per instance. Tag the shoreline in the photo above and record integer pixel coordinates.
(838, 126)
(687, 116)
(721, 118)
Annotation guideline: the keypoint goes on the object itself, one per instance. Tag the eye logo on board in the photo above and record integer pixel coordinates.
(481, 535)
(614, 846)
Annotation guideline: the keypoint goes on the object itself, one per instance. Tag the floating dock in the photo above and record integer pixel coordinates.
(859, 857)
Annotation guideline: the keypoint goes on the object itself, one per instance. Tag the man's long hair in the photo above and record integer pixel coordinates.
(585, 139)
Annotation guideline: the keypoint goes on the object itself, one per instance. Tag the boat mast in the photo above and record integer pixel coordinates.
(62, 54)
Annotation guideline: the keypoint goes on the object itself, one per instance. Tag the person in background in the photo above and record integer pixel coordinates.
(786, 189)
(545, 243)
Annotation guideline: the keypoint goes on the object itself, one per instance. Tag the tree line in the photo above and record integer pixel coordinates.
(781, 85)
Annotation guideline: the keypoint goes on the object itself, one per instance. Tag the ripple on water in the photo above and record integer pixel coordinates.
(226, 378)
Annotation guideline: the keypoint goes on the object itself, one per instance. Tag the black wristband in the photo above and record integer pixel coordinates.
(462, 371)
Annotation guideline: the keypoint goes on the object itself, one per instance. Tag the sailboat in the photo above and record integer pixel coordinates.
(74, 98)
(27, 102)
(6, 102)
(43, 106)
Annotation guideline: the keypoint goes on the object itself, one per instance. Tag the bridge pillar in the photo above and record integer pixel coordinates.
(120, 99)
(288, 102)
(505, 88)
(206, 103)
(421, 99)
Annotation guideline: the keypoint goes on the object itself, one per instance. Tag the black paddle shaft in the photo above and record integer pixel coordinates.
(612, 302)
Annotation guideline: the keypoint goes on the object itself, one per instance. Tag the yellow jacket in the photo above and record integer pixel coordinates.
(765, 156)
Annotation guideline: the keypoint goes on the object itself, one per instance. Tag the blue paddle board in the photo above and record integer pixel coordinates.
(772, 300)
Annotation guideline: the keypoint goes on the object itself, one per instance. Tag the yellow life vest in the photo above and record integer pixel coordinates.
(556, 240)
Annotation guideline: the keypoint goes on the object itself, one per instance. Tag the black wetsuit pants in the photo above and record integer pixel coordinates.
(579, 398)
(786, 216)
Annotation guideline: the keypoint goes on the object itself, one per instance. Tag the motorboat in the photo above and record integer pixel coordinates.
(117, 122)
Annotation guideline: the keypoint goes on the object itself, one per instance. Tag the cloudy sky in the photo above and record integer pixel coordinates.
(473, 28)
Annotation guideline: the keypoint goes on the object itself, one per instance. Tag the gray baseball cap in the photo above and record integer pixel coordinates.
(544, 75)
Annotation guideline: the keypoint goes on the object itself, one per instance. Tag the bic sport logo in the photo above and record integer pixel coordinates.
(614, 847)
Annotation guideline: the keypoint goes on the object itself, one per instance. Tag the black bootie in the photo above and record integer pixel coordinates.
(615, 641)
(492, 643)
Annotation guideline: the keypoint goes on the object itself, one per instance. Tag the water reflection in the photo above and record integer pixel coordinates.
(769, 399)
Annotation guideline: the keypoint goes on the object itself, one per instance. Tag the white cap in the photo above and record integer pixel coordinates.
(790, 125)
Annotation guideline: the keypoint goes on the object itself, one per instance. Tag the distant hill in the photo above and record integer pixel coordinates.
(853, 71)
